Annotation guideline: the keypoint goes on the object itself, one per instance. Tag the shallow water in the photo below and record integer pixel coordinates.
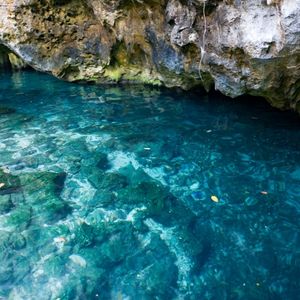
(106, 194)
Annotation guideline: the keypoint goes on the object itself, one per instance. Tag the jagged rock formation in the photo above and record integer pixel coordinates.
(236, 46)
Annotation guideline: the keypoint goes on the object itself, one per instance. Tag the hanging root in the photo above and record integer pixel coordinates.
(202, 48)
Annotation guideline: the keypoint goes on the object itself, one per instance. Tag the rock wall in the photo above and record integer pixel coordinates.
(235, 46)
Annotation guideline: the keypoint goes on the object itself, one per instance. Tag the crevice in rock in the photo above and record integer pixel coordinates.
(4, 59)
(10, 61)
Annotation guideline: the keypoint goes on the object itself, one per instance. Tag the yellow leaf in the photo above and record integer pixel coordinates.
(2, 184)
(214, 198)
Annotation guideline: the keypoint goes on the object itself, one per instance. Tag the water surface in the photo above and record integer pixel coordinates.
(106, 194)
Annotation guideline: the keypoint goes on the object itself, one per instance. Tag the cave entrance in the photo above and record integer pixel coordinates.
(9, 60)
(4, 58)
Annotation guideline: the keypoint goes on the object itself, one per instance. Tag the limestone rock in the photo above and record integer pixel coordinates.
(78, 260)
(235, 46)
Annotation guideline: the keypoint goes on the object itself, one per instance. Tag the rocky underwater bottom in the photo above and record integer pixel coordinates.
(134, 192)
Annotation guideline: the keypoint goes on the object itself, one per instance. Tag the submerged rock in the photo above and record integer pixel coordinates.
(78, 260)
(20, 218)
(5, 204)
(9, 183)
(103, 162)
(6, 110)
(6, 272)
(212, 43)
(31, 198)
(42, 191)
(84, 235)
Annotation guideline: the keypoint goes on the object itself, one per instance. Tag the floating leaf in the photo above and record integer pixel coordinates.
(2, 185)
(264, 193)
(214, 198)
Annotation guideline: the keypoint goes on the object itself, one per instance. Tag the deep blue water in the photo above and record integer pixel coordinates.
(105, 193)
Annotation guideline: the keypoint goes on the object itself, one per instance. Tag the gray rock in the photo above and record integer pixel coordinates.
(237, 47)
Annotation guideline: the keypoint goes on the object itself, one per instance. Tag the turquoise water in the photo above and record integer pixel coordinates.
(106, 194)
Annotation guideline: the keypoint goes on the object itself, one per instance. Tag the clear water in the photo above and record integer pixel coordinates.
(106, 194)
